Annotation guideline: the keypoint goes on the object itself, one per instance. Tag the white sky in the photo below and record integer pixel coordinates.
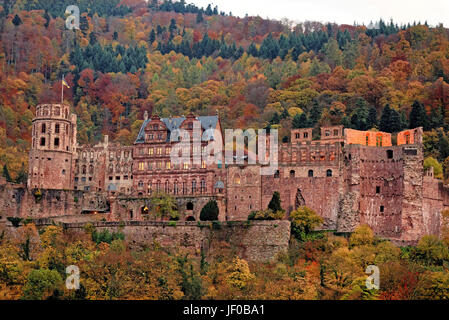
(339, 11)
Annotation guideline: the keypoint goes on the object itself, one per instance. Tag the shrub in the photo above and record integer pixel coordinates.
(431, 250)
(361, 235)
(266, 215)
(42, 284)
(172, 223)
(106, 236)
(15, 221)
(304, 220)
(210, 211)
(275, 203)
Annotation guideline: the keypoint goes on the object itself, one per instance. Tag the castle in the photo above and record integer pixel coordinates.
(348, 177)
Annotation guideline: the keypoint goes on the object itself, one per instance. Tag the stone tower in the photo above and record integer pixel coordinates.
(53, 145)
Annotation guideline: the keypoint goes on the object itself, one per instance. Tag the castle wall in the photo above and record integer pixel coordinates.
(367, 138)
(243, 191)
(255, 241)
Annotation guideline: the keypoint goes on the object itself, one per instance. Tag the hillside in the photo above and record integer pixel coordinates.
(170, 58)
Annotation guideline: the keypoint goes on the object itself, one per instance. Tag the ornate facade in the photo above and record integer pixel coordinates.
(347, 176)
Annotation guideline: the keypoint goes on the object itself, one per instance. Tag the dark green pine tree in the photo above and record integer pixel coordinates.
(16, 20)
(199, 17)
(300, 121)
(275, 119)
(252, 50)
(436, 119)
(172, 28)
(210, 211)
(152, 37)
(390, 120)
(418, 116)
(315, 114)
(275, 203)
(372, 118)
(6, 173)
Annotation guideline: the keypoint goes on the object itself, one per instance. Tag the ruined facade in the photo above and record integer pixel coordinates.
(348, 177)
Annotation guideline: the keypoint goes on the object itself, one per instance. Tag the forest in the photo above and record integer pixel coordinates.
(172, 58)
(317, 266)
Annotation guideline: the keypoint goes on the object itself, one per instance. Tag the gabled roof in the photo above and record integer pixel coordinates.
(173, 124)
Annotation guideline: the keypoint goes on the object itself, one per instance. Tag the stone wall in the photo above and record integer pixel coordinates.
(252, 240)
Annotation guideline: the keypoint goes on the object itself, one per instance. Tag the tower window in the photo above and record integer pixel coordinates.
(292, 173)
(329, 173)
(42, 142)
(390, 154)
(382, 209)
(56, 128)
(56, 142)
(310, 174)
(44, 128)
(377, 189)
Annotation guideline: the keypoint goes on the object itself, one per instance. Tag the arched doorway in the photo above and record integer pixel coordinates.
(190, 218)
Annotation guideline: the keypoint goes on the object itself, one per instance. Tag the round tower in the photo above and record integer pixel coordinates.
(53, 145)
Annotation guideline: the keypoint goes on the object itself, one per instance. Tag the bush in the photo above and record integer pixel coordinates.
(361, 235)
(106, 236)
(210, 211)
(304, 220)
(275, 203)
(431, 251)
(266, 215)
(42, 284)
(15, 221)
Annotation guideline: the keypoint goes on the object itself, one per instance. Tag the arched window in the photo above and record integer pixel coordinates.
(167, 187)
(83, 170)
(276, 175)
(203, 186)
(194, 186)
(44, 128)
(184, 187)
(111, 168)
(329, 173)
(140, 184)
(42, 142)
(150, 187)
(91, 169)
(237, 179)
(189, 206)
(310, 173)
(292, 173)
(158, 186)
(175, 187)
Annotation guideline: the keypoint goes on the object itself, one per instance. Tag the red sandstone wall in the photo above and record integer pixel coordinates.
(359, 137)
(413, 136)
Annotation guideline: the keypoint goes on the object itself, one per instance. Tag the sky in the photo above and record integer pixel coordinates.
(338, 11)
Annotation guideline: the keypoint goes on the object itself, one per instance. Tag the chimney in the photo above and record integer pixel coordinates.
(145, 115)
